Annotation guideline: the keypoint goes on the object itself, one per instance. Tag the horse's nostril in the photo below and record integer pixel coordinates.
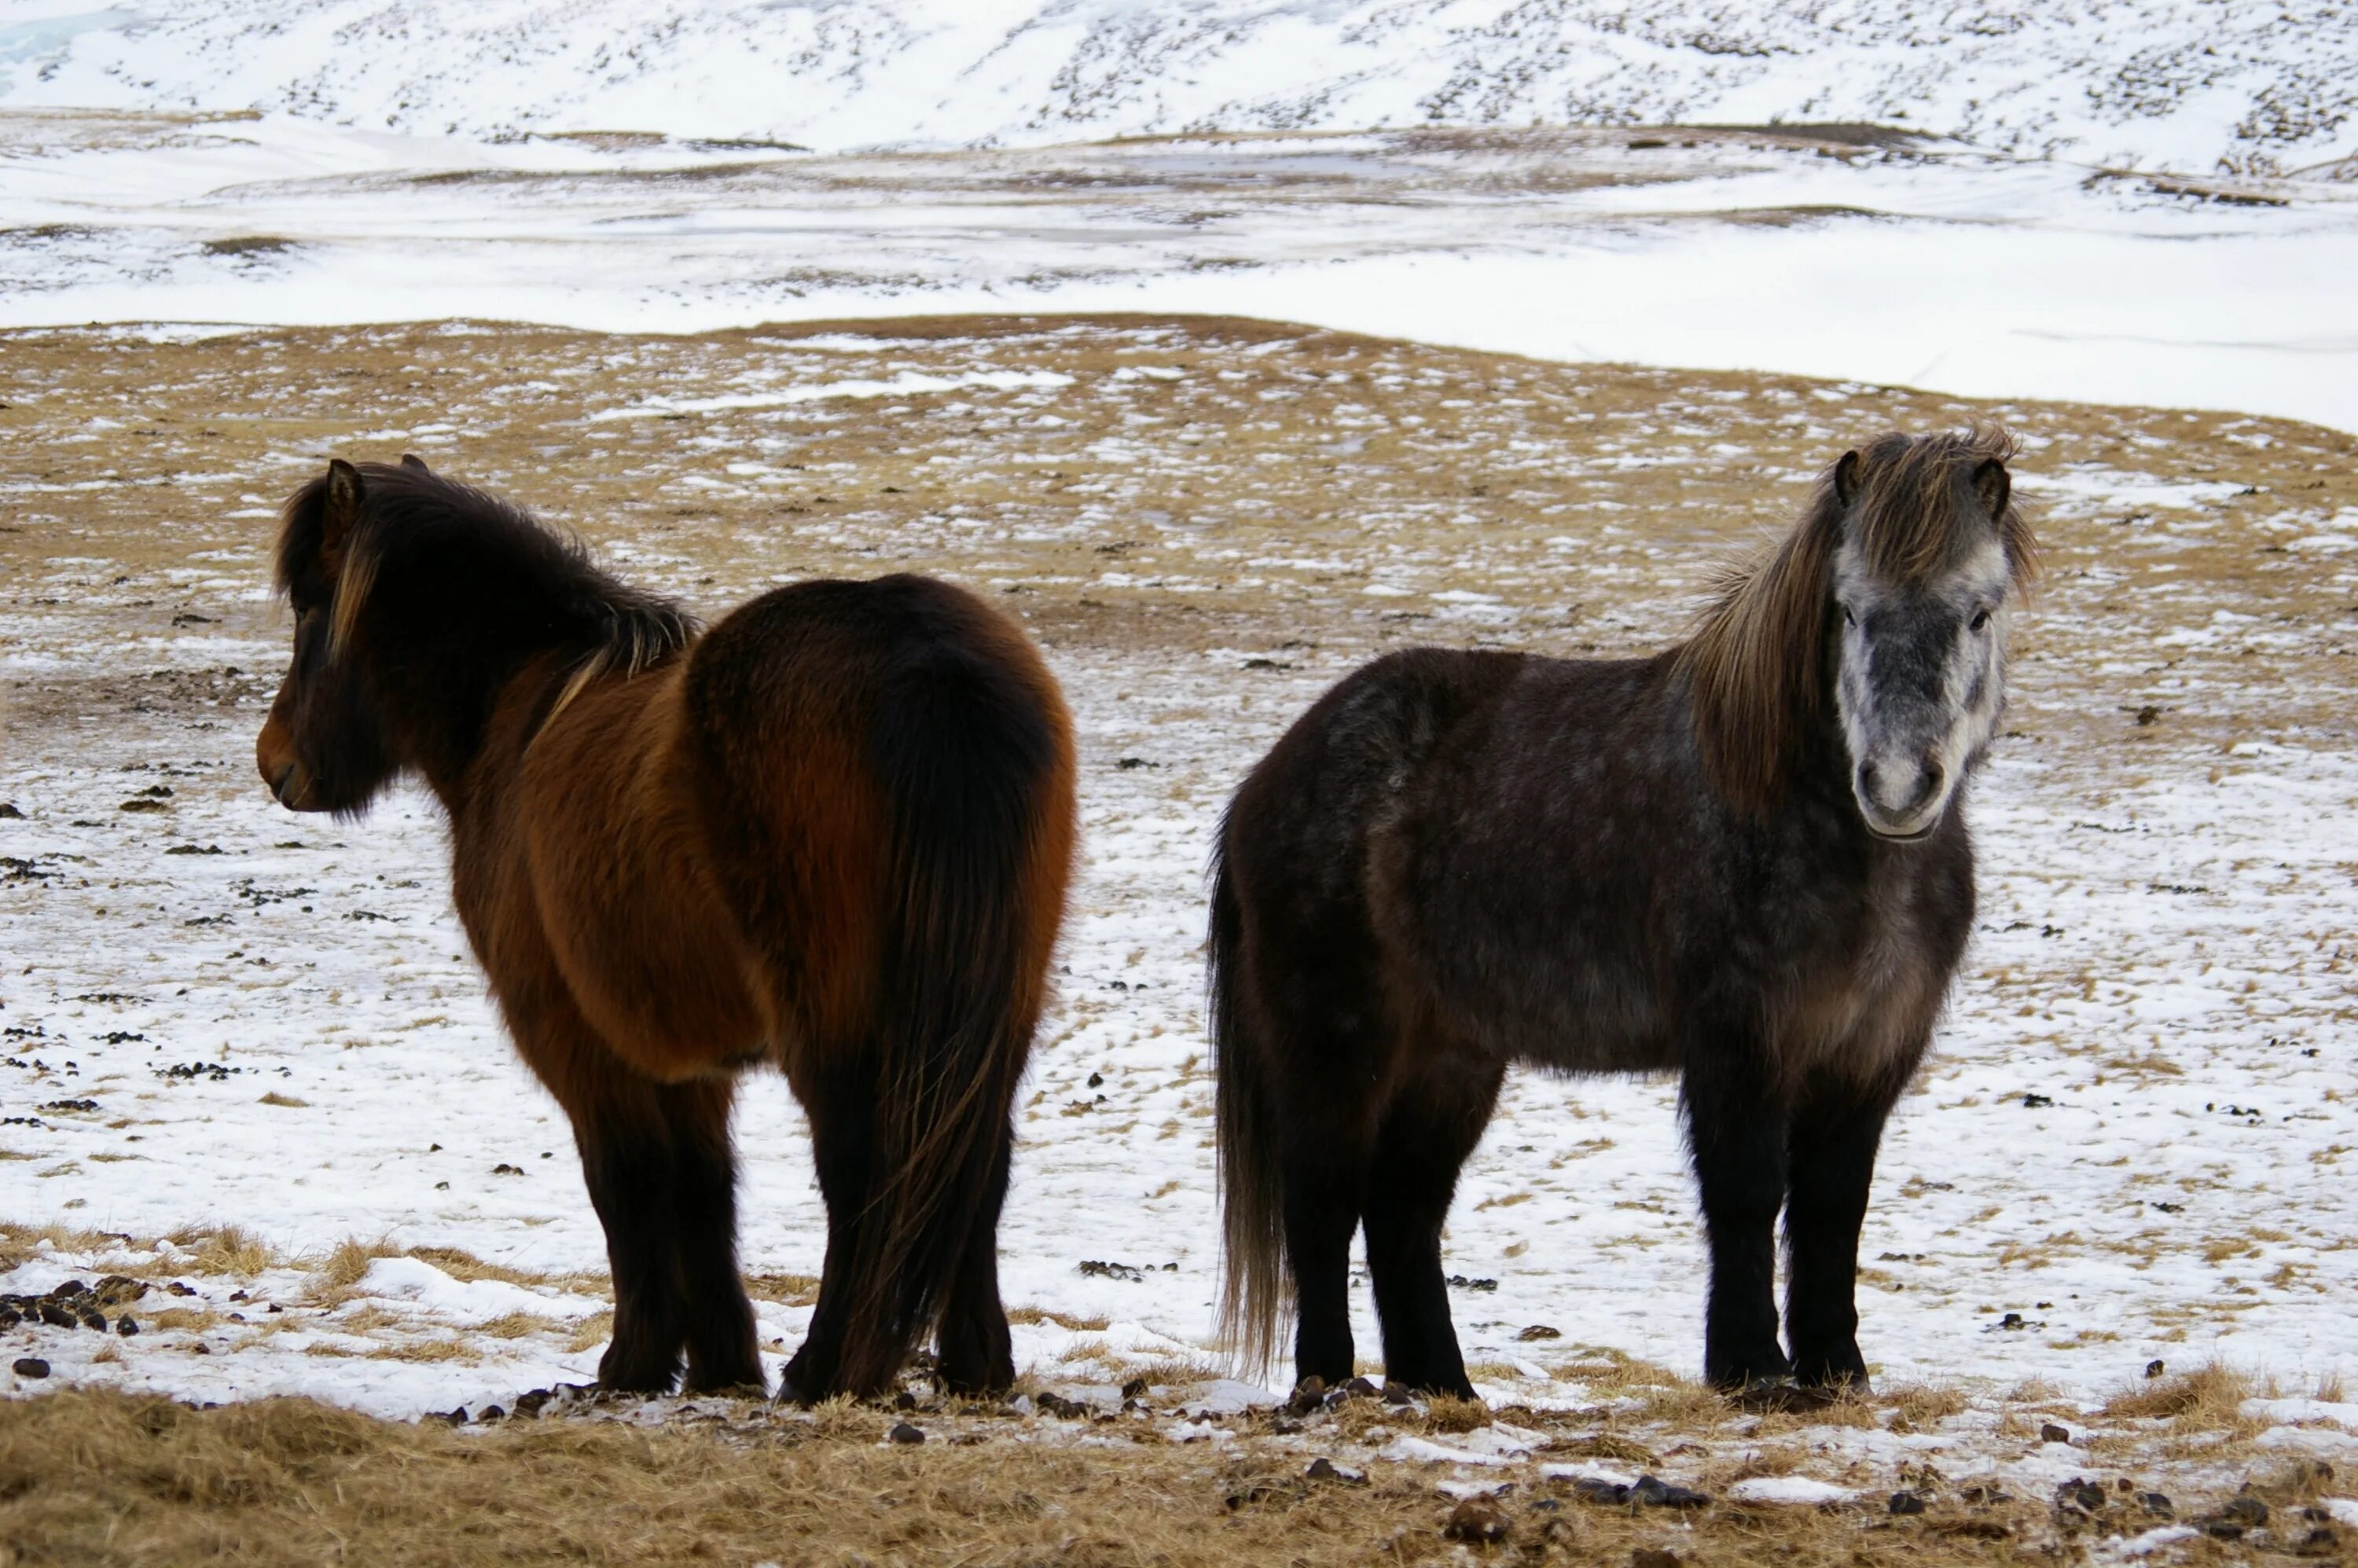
(278, 786)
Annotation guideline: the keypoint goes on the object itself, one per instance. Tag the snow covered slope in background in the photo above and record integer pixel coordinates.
(2192, 85)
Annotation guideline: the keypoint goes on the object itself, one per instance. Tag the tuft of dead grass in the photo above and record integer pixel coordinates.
(107, 1480)
(2209, 1398)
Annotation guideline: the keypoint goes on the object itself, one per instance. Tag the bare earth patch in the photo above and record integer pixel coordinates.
(236, 1042)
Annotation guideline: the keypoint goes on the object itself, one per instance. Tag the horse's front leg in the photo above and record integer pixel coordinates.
(661, 1175)
(1735, 1135)
(1832, 1141)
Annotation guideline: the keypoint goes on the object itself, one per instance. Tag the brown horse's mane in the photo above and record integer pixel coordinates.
(1756, 664)
(425, 529)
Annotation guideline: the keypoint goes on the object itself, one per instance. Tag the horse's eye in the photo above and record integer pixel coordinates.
(1980, 620)
(1849, 619)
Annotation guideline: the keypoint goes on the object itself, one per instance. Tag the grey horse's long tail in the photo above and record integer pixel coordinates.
(1255, 1287)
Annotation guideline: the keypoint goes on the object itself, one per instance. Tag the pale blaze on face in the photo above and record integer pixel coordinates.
(1921, 682)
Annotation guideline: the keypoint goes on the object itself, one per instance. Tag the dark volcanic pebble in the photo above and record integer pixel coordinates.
(31, 1366)
(1907, 1503)
(903, 1432)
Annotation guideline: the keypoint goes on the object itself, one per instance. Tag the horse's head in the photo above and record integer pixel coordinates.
(324, 747)
(1926, 558)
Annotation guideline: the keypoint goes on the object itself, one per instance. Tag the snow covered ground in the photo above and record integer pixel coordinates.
(1890, 261)
(2130, 1145)
(2189, 85)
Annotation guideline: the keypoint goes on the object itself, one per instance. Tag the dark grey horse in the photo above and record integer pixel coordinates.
(1743, 861)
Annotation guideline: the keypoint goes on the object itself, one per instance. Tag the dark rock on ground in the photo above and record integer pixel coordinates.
(903, 1432)
(31, 1366)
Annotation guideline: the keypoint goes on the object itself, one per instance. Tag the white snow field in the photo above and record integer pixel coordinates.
(2192, 86)
(2122, 200)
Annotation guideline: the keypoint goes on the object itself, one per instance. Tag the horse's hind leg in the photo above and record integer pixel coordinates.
(715, 1316)
(1325, 1176)
(1433, 1122)
(977, 1355)
(842, 1106)
(1736, 1133)
(1832, 1145)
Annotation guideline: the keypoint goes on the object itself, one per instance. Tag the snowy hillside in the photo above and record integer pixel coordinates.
(2190, 86)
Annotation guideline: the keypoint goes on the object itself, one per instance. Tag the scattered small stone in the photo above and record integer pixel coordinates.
(2157, 1504)
(490, 1412)
(1360, 1388)
(1135, 1389)
(1055, 1404)
(1654, 1557)
(1540, 1331)
(179, 1289)
(2050, 1433)
(2156, 1369)
(529, 1403)
(31, 1366)
(1397, 1394)
(201, 1349)
(2082, 1494)
(2245, 1510)
(903, 1432)
(504, 1169)
(1654, 1493)
(1906, 1503)
(2322, 1541)
(1461, 1283)
(1479, 1521)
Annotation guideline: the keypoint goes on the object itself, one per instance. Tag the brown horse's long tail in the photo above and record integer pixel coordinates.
(1254, 1287)
(976, 768)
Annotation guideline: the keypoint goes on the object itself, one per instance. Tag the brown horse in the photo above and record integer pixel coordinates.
(834, 832)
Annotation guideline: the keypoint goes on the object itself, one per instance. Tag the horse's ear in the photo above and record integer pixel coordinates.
(416, 464)
(339, 511)
(1846, 478)
(1993, 485)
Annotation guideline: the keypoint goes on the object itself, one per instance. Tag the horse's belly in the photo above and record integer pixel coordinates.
(662, 978)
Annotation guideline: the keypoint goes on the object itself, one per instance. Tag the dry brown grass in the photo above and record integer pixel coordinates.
(2208, 1399)
(104, 1479)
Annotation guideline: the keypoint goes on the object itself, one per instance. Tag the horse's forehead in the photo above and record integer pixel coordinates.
(1975, 564)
